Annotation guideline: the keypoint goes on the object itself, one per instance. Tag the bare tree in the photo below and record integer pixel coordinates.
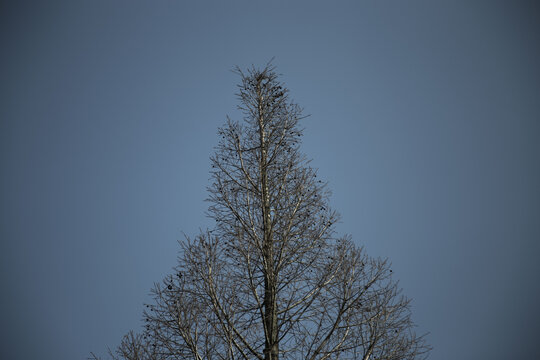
(133, 347)
(271, 280)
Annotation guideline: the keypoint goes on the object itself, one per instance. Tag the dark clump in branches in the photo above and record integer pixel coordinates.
(271, 280)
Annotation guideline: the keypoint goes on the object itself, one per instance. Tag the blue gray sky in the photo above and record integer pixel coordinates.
(425, 120)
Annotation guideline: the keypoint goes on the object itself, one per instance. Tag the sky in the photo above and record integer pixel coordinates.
(424, 119)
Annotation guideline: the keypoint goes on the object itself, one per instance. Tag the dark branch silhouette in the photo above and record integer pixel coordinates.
(271, 280)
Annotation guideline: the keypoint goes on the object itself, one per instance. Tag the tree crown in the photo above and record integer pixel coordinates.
(271, 280)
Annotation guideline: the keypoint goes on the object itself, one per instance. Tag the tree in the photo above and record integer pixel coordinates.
(133, 347)
(271, 280)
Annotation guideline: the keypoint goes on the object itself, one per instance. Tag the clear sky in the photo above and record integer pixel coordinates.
(425, 120)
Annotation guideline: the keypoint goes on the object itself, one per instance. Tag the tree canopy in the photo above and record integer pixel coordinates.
(272, 280)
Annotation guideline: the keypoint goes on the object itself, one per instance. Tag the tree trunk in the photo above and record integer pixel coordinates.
(271, 350)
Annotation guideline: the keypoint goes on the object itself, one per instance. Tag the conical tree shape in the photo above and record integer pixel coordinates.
(271, 281)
